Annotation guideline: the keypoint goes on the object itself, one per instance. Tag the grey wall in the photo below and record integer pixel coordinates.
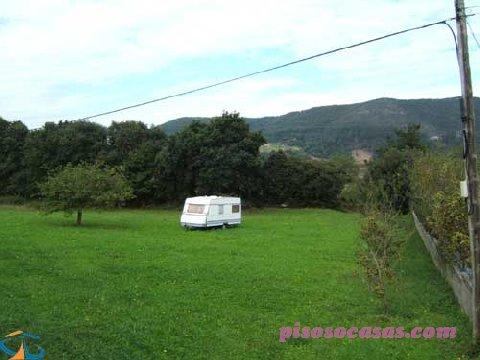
(459, 281)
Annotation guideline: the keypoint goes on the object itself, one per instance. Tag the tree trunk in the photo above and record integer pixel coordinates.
(79, 217)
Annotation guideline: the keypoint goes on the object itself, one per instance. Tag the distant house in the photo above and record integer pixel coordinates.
(361, 156)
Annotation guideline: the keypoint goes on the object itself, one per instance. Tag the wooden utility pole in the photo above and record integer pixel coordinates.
(470, 156)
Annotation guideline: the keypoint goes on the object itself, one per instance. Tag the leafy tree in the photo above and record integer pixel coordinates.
(56, 145)
(134, 147)
(387, 182)
(304, 182)
(178, 163)
(125, 138)
(75, 188)
(221, 157)
(388, 176)
(229, 158)
(12, 174)
(409, 138)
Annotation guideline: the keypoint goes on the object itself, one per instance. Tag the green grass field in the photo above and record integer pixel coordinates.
(134, 285)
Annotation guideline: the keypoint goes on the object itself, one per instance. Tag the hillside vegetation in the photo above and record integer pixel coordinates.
(326, 130)
(221, 157)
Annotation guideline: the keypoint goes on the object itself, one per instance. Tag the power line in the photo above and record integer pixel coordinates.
(442, 22)
(473, 34)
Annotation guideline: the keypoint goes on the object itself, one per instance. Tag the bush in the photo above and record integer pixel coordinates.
(380, 248)
(351, 196)
(435, 198)
(448, 222)
(366, 196)
(385, 185)
(304, 182)
(387, 179)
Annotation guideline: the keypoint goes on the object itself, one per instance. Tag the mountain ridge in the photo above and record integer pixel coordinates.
(330, 129)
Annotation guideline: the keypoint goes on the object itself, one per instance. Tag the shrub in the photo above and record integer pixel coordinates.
(304, 182)
(448, 222)
(380, 248)
(436, 200)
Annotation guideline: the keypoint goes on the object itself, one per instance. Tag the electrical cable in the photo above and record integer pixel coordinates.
(442, 22)
(473, 34)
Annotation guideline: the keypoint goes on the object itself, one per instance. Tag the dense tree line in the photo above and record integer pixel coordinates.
(218, 157)
(386, 183)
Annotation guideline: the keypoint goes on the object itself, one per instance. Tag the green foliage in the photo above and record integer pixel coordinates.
(448, 223)
(219, 158)
(327, 130)
(303, 182)
(56, 145)
(30, 155)
(409, 138)
(294, 151)
(222, 157)
(360, 195)
(229, 158)
(380, 248)
(386, 185)
(387, 178)
(75, 188)
(127, 137)
(435, 179)
(134, 147)
(12, 173)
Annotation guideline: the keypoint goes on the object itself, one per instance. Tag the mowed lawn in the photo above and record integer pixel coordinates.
(133, 284)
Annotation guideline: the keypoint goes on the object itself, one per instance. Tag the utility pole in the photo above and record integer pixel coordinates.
(470, 156)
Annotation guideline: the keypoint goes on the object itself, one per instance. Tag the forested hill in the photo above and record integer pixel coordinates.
(333, 129)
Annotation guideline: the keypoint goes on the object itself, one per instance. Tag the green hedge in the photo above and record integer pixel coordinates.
(435, 198)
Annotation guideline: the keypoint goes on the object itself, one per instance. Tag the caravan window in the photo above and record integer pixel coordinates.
(235, 209)
(195, 209)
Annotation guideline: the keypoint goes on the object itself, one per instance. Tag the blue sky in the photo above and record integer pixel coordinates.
(70, 59)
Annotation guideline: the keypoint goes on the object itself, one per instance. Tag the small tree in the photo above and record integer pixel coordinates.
(380, 247)
(75, 188)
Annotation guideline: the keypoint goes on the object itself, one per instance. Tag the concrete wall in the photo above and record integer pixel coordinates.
(459, 281)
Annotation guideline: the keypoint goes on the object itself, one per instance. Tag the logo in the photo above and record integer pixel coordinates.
(23, 352)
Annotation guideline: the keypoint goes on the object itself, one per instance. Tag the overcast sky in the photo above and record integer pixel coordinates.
(69, 59)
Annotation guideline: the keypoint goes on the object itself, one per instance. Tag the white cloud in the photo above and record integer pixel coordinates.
(60, 59)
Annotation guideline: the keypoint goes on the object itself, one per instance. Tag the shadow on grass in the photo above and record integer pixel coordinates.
(104, 225)
(211, 228)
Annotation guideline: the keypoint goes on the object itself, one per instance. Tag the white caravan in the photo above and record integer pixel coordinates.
(209, 211)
